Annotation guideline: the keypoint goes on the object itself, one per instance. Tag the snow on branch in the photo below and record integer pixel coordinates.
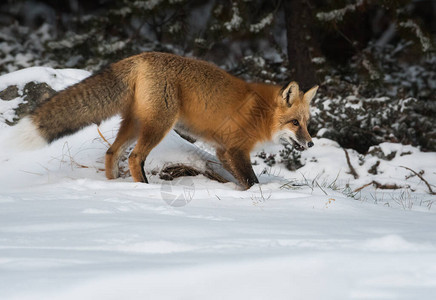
(255, 28)
(236, 21)
(338, 14)
(425, 41)
(147, 5)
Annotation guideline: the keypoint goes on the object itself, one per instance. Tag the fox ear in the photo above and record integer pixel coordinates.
(291, 92)
(310, 94)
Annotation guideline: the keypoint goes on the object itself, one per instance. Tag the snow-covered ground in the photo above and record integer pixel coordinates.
(68, 233)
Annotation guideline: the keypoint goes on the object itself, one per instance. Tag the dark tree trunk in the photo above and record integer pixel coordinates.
(298, 19)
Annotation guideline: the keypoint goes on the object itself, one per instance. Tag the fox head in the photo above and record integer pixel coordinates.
(293, 116)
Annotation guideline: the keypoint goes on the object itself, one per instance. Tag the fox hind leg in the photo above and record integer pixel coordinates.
(125, 137)
(149, 137)
(156, 110)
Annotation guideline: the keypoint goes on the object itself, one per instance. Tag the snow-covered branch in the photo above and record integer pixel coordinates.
(414, 27)
(338, 14)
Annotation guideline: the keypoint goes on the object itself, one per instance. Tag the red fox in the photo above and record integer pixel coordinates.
(155, 92)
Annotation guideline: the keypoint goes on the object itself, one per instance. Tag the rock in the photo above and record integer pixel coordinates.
(9, 93)
(33, 94)
(378, 152)
(36, 93)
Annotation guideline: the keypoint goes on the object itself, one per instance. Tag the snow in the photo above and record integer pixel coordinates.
(414, 27)
(7, 109)
(148, 5)
(66, 232)
(338, 14)
(57, 79)
(236, 20)
(256, 28)
(318, 60)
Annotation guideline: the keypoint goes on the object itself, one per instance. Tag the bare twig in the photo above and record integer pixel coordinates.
(352, 170)
(422, 178)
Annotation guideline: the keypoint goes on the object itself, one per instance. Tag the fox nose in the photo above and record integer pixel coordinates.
(310, 144)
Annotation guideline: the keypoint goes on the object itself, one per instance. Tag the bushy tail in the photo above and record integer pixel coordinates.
(90, 101)
(26, 136)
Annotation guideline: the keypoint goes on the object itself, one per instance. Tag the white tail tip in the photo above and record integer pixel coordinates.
(25, 135)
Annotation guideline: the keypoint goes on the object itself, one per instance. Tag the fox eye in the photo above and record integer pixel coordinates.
(295, 122)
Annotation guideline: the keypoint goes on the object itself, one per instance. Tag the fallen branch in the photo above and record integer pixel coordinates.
(352, 170)
(178, 170)
(378, 185)
(215, 176)
(387, 186)
(362, 187)
(422, 178)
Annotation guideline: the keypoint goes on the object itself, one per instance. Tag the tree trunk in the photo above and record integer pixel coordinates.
(298, 18)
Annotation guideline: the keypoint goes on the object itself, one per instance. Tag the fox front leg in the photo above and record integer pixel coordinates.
(238, 163)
